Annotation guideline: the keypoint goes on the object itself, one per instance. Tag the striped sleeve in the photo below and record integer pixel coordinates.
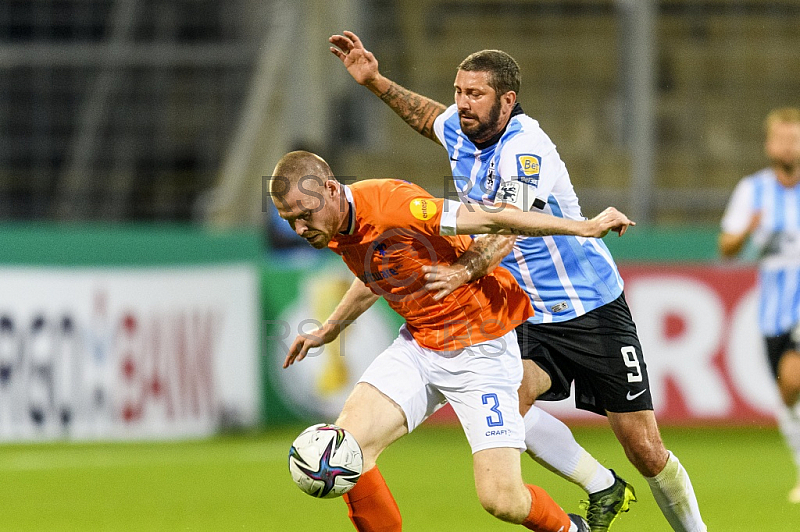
(740, 208)
(439, 122)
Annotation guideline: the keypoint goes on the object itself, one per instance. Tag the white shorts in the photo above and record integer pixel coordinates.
(480, 381)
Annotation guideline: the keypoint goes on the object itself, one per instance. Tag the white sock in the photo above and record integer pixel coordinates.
(789, 424)
(674, 494)
(551, 443)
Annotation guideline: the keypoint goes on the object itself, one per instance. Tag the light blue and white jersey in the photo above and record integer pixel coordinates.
(564, 276)
(777, 239)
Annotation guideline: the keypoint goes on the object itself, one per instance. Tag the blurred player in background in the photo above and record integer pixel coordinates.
(766, 206)
(461, 349)
(582, 331)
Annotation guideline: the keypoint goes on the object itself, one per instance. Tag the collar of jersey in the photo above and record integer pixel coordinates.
(517, 110)
(351, 219)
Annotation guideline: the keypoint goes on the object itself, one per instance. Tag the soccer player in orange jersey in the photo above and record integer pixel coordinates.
(460, 349)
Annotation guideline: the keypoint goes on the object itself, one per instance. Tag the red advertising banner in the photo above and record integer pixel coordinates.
(699, 332)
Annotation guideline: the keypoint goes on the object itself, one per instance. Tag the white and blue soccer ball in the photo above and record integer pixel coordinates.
(325, 461)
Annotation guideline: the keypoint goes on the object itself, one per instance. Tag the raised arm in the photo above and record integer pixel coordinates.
(508, 220)
(357, 300)
(416, 110)
(483, 255)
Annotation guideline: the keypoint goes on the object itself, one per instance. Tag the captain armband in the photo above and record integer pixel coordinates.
(447, 225)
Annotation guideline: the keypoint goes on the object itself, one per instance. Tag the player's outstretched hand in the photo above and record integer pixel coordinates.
(306, 341)
(358, 61)
(609, 220)
(444, 278)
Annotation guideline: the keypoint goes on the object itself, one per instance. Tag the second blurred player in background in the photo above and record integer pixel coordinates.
(766, 207)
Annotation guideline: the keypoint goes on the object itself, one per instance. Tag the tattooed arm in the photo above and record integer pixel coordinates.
(511, 221)
(487, 251)
(416, 110)
(483, 255)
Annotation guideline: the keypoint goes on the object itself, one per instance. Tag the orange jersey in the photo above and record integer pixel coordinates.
(394, 231)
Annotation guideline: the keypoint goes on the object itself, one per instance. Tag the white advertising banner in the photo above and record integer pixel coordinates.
(705, 356)
(118, 353)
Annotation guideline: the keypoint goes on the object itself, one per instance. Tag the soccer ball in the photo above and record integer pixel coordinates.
(325, 461)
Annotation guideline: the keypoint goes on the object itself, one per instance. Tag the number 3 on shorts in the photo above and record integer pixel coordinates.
(632, 361)
(495, 408)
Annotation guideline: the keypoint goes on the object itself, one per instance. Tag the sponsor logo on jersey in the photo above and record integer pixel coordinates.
(528, 168)
(558, 307)
(423, 208)
(371, 277)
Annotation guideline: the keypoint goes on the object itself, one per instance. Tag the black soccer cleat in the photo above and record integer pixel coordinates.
(579, 522)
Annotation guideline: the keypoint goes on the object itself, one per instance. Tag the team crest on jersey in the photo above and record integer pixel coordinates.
(507, 192)
(491, 177)
(422, 208)
(528, 168)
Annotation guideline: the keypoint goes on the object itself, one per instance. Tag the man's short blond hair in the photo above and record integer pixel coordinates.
(783, 115)
(293, 167)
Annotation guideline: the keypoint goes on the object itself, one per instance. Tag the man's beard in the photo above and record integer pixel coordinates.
(482, 130)
(790, 168)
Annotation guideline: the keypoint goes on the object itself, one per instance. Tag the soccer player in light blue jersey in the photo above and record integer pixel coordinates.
(582, 331)
(766, 207)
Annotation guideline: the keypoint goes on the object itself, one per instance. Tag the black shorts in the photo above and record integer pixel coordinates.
(599, 351)
(777, 346)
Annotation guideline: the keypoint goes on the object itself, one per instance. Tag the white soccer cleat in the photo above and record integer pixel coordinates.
(794, 495)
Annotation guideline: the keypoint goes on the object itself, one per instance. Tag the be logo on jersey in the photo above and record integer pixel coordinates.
(422, 208)
(528, 168)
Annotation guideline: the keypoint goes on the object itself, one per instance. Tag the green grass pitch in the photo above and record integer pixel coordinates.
(741, 477)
